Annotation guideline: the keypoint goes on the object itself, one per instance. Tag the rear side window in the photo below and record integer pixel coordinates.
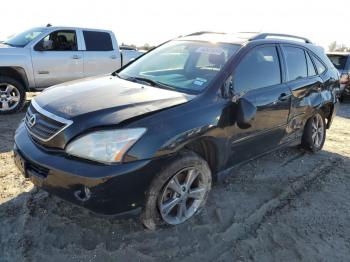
(319, 66)
(296, 62)
(259, 68)
(310, 66)
(97, 41)
(339, 61)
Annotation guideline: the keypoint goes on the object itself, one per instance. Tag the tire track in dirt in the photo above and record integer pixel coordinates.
(239, 230)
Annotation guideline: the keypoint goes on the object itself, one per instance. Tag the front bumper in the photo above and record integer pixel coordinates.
(104, 189)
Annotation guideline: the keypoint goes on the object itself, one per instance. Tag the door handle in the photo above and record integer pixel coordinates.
(76, 56)
(113, 57)
(284, 97)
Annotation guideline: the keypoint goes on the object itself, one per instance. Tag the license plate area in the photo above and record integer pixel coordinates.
(21, 163)
(36, 173)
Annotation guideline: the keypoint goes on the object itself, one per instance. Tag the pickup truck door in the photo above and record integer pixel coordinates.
(101, 55)
(56, 59)
(258, 79)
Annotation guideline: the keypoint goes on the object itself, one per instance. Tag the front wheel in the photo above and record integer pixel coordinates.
(178, 192)
(12, 95)
(314, 134)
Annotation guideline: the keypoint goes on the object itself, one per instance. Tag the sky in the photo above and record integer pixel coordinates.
(156, 21)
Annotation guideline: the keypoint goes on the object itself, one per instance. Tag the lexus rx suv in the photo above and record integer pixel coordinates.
(152, 137)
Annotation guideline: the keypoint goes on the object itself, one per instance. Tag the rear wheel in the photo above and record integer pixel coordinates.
(12, 95)
(178, 192)
(314, 134)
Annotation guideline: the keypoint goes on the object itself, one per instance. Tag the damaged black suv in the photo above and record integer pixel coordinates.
(150, 138)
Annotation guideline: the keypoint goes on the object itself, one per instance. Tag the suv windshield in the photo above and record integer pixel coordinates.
(185, 66)
(22, 39)
(339, 61)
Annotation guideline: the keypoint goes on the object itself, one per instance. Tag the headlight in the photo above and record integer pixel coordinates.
(107, 146)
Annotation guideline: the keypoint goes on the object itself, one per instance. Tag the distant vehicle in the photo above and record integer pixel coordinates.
(46, 56)
(152, 136)
(341, 62)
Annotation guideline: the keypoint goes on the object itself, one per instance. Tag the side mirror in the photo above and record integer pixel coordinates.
(246, 112)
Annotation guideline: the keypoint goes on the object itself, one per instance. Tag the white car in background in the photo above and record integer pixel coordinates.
(46, 56)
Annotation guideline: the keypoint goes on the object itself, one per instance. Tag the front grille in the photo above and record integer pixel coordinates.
(43, 125)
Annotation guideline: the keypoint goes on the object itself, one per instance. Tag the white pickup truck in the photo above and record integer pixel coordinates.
(46, 56)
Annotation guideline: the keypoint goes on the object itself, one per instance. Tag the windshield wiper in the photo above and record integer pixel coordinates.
(152, 82)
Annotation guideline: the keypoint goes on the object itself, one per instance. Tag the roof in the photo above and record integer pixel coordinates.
(215, 38)
(70, 28)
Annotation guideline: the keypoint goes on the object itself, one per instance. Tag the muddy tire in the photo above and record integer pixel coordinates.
(314, 134)
(12, 95)
(178, 192)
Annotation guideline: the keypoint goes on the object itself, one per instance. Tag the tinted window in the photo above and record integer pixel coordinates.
(259, 68)
(310, 66)
(339, 61)
(296, 63)
(59, 41)
(319, 66)
(98, 41)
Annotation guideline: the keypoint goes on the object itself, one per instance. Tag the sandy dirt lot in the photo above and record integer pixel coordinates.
(287, 206)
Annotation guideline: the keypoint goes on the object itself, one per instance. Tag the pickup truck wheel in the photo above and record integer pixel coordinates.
(12, 95)
(314, 134)
(178, 192)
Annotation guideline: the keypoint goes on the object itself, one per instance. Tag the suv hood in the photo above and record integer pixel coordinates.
(106, 100)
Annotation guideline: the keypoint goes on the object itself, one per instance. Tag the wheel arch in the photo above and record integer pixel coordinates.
(327, 110)
(17, 73)
(207, 149)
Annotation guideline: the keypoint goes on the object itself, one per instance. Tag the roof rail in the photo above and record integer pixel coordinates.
(204, 32)
(266, 35)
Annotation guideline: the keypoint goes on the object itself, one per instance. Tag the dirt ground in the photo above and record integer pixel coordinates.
(287, 206)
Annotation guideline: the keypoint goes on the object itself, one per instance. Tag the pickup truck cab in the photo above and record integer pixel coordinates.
(46, 56)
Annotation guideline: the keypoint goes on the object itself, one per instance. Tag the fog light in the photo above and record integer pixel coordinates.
(83, 194)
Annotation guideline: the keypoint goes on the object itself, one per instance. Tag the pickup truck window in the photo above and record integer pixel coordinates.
(339, 61)
(185, 66)
(97, 41)
(59, 41)
(22, 39)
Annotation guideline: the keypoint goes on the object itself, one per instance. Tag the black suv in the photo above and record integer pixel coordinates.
(151, 137)
(341, 62)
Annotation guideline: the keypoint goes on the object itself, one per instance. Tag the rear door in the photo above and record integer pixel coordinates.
(304, 81)
(259, 78)
(101, 54)
(56, 59)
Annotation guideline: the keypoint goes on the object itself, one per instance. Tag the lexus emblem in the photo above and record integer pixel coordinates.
(32, 120)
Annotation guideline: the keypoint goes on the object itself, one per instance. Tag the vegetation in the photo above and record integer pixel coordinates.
(335, 47)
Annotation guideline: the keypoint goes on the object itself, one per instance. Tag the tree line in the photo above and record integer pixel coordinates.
(335, 47)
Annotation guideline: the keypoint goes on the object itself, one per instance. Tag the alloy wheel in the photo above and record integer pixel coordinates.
(183, 195)
(9, 97)
(317, 130)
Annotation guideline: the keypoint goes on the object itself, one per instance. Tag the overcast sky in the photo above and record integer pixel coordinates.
(155, 21)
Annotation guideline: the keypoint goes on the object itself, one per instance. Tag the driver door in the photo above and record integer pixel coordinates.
(258, 78)
(56, 59)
